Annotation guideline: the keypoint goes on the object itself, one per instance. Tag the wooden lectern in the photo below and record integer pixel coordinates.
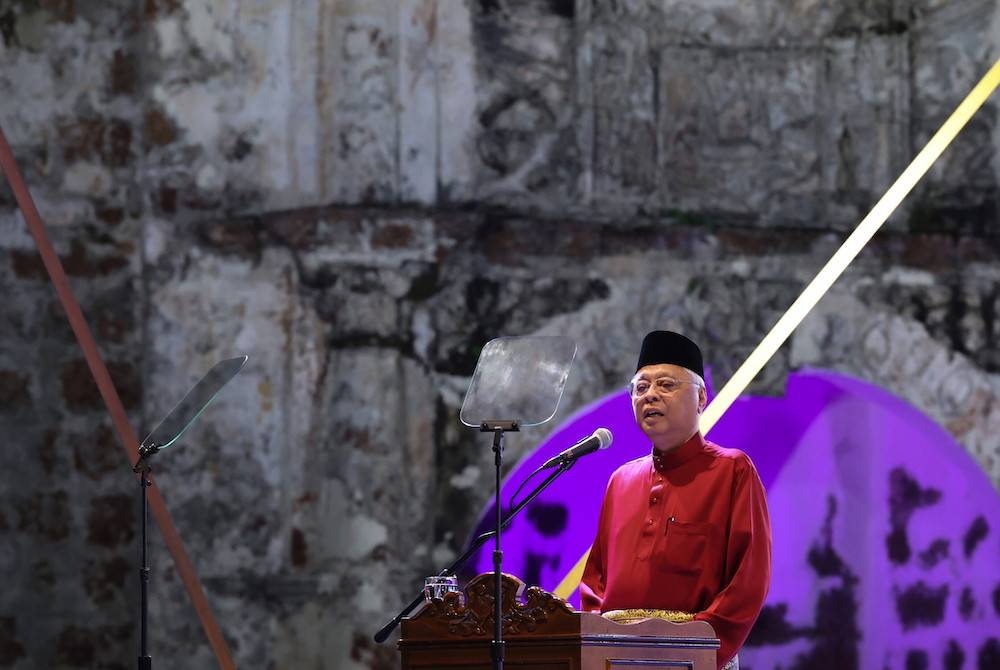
(542, 632)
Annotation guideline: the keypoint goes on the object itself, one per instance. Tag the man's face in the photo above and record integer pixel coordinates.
(667, 400)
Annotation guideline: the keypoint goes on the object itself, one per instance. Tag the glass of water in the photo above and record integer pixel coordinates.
(437, 586)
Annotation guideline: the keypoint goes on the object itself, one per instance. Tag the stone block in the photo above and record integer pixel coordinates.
(713, 129)
(734, 24)
(950, 53)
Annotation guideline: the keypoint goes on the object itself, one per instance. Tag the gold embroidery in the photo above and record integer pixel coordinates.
(633, 615)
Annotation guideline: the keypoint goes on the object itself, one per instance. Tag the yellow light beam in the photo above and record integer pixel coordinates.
(830, 272)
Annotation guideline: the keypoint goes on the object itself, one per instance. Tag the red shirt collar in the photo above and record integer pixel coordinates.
(678, 455)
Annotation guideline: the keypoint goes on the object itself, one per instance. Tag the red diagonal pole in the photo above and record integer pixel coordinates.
(111, 400)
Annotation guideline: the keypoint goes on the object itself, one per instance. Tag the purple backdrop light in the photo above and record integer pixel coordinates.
(886, 543)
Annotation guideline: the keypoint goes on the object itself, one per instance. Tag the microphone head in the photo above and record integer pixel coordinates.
(604, 437)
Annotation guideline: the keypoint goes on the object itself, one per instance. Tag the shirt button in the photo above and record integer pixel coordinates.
(652, 501)
(649, 522)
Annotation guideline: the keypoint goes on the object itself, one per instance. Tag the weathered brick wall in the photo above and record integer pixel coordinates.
(359, 194)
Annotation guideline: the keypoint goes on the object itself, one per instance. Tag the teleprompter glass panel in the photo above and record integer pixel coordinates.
(194, 403)
(518, 379)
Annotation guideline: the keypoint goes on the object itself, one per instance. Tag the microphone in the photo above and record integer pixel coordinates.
(601, 439)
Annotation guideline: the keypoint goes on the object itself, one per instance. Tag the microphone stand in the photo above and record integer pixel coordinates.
(384, 632)
(142, 468)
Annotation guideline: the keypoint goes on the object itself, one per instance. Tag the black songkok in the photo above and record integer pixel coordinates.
(664, 346)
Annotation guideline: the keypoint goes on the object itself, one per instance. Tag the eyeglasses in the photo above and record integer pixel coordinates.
(665, 385)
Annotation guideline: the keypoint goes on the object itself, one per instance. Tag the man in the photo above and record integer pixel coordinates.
(686, 528)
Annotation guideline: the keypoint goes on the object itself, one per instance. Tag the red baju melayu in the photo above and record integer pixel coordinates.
(686, 530)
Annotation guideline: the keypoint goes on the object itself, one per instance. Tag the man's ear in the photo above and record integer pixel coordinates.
(702, 399)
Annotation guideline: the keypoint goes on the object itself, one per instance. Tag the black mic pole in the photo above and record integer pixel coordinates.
(145, 660)
(142, 467)
(384, 632)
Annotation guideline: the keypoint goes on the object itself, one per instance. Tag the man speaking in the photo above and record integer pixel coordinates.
(683, 531)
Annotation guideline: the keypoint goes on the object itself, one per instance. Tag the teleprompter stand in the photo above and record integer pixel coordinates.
(165, 434)
(521, 379)
(142, 468)
(498, 428)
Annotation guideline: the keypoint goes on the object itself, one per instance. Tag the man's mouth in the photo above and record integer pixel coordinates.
(651, 412)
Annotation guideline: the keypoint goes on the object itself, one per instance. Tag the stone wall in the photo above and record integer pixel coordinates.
(358, 195)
